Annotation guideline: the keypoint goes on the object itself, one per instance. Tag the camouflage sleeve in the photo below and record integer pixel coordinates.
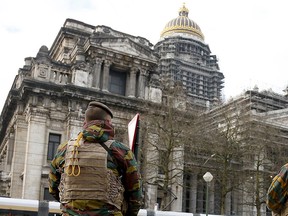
(277, 192)
(56, 170)
(131, 178)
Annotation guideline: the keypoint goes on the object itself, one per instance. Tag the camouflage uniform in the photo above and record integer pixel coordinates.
(277, 194)
(122, 161)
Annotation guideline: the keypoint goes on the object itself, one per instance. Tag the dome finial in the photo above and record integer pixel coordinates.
(183, 11)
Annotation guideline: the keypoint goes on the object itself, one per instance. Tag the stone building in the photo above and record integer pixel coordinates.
(50, 93)
(256, 121)
(185, 57)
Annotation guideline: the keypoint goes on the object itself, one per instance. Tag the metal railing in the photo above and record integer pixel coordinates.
(45, 208)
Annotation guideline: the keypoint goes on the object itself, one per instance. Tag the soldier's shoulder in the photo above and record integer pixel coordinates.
(72, 139)
(62, 146)
(118, 144)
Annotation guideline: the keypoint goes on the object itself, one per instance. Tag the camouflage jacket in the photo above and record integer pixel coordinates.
(123, 161)
(278, 191)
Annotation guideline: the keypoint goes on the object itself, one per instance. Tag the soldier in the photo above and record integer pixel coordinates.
(277, 197)
(95, 175)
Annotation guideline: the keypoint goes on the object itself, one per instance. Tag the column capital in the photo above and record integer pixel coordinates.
(98, 61)
(107, 63)
(144, 72)
(134, 70)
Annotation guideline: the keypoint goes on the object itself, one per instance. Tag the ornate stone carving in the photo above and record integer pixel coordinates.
(106, 30)
(43, 72)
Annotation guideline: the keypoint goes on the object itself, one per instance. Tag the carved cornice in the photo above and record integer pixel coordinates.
(84, 66)
(36, 114)
(29, 87)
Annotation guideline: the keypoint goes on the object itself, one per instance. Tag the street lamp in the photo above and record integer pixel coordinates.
(208, 159)
(207, 178)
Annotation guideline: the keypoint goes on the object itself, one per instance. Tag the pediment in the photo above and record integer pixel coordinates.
(128, 47)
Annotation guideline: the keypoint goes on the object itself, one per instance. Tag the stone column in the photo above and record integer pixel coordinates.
(193, 193)
(127, 85)
(228, 203)
(235, 202)
(141, 83)
(185, 189)
(97, 73)
(105, 81)
(132, 82)
(35, 154)
(211, 196)
(201, 193)
(177, 190)
(18, 160)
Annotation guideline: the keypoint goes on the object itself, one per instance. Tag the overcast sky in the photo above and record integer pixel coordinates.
(249, 37)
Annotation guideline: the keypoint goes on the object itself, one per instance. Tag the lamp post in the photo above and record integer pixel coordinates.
(207, 178)
(208, 159)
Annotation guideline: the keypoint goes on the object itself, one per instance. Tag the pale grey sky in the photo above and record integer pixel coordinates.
(249, 37)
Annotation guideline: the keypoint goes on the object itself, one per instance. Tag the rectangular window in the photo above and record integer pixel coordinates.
(53, 143)
(117, 82)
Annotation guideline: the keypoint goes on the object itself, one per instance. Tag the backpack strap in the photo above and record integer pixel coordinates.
(106, 145)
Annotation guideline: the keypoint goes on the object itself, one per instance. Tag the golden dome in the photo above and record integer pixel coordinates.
(182, 25)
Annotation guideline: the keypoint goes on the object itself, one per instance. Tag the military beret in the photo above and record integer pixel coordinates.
(102, 106)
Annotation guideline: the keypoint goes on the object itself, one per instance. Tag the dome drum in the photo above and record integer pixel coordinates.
(182, 25)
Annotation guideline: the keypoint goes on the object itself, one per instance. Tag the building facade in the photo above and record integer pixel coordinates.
(49, 96)
(256, 125)
(50, 93)
(186, 58)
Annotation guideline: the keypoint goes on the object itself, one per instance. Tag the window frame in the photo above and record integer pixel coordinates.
(51, 151)
(117, 82)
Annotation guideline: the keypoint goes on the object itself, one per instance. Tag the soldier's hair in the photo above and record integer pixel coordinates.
(96, 113)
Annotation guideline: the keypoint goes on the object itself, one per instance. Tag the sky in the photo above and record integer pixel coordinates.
(249, 37)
